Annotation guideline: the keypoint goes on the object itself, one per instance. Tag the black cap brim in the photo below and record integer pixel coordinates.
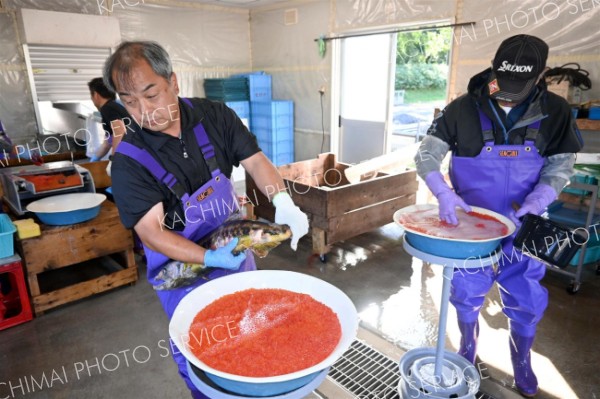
(511, 90)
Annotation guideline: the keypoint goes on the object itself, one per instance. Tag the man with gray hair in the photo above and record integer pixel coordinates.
(170, 177)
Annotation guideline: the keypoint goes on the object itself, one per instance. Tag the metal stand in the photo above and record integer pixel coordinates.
(437, 373)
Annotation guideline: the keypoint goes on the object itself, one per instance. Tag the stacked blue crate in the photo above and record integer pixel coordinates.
(226, 89)
(273, 125)
(242, 110)
(259, 85)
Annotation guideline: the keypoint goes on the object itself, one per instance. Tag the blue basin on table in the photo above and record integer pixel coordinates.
(65, 209)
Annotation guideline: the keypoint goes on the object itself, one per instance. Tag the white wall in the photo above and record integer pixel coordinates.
(212, 41)
(203, 41)
(290, 54)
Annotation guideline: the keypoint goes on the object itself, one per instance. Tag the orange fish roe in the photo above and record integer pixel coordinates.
(264, 332)
(471, 226)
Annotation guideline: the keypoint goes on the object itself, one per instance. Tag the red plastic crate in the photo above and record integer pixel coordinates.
(13, 293)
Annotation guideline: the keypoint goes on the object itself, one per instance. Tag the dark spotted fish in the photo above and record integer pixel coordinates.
(259, 237)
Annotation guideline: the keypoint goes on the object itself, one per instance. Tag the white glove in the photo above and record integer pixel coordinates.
(108, 168)
(288, 213)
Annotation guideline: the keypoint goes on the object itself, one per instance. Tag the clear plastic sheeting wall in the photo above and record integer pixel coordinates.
(203, 42)
(569, 27)
(16, 104)
(16, 108)
(297, 68)
(361, 14)
(76, 6)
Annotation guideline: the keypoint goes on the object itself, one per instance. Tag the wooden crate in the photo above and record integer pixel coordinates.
(337, 210)
(62, 246)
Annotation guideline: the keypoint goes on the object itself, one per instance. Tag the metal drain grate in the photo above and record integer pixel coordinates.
(366, 373)
(369, 374)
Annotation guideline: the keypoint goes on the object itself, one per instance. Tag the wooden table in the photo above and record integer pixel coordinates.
(62, 246)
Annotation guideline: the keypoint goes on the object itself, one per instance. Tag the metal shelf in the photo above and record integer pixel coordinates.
(589, 216)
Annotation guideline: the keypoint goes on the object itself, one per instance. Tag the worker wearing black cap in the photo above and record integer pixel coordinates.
(512, 142)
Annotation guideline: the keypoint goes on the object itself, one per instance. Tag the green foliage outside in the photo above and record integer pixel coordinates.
(421, 76)
(424, 95)
(422, 59)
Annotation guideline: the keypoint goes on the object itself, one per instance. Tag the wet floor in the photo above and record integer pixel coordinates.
(396, 297)
(399, 298)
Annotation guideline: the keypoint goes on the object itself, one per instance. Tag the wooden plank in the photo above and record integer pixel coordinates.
(265, 211)
(84, 289)
(309, 199)
(125, 258)
(370, 192)
(346, 226)
(255, 197)
(34, 287)
(98, 172)
(61, 246)
(577, 200)
(370, 169)
(308, 172)
(588, 124)
(318, 241)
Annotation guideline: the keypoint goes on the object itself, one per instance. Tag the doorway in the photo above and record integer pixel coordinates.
(389, 87)
(364, 96)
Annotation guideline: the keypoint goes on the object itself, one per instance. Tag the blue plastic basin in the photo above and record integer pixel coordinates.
(65, 209)
(203, 384)
(454, 248)
(451, 249)
(264, 389)
(66, 218)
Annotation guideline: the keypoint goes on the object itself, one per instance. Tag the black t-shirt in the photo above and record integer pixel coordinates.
(110, 111)
(136, 191)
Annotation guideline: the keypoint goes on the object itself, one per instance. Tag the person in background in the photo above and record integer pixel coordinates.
(513, 146)
(6, 145)
(171, 176)
(115, 118)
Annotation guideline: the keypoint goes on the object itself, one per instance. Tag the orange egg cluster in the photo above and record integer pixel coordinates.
(264, 332)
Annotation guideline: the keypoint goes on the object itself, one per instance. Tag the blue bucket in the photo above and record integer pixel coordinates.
(453, 248)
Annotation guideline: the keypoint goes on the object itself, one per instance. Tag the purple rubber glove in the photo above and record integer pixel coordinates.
(447, 198)
(535, 202)
(223, 258)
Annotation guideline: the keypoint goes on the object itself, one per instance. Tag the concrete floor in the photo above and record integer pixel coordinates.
(114, 345)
